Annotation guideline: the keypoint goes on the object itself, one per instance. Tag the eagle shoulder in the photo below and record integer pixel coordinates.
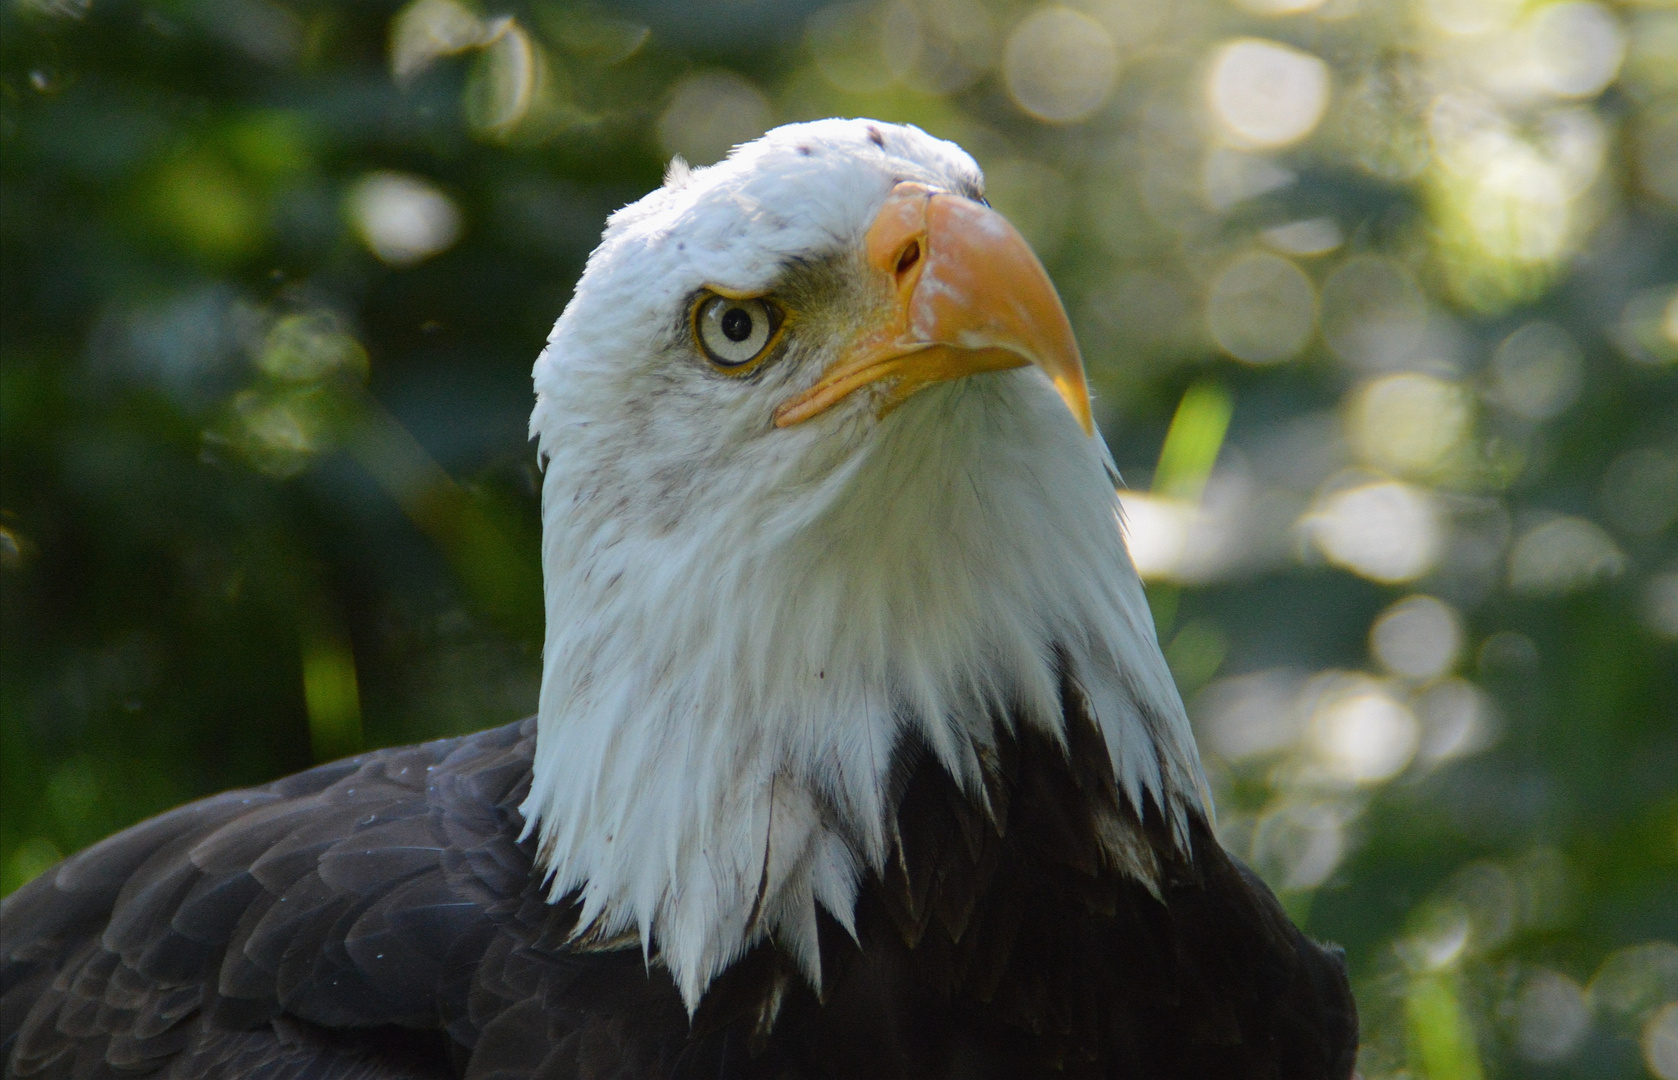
(372, 917)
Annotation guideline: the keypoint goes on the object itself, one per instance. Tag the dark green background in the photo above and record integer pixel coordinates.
(189, 509)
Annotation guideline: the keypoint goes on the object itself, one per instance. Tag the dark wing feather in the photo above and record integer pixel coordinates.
(375, 917)
(378, 918)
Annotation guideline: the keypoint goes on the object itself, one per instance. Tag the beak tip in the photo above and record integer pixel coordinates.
(1077, 398)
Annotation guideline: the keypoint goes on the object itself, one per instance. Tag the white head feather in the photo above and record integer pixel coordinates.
(745, 621)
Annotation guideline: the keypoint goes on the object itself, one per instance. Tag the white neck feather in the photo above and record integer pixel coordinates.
(728, 672)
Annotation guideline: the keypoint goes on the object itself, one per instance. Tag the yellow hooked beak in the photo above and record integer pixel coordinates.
(969, 297)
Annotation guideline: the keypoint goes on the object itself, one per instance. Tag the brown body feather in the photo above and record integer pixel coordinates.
(377, 918)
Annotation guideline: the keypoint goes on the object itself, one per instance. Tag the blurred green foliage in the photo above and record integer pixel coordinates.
(1380, 301)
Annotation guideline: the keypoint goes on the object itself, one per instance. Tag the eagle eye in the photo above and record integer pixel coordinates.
(734, 332)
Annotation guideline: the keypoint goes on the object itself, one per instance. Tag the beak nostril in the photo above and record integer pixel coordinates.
(911, 255)
(984, 304)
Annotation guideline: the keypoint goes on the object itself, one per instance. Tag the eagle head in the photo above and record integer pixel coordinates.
(821, 489)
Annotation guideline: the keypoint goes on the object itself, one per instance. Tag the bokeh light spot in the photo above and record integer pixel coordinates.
(1060, 65)
(1660, 1042)
(1156, 530)
(1563, 555)
(938, 46)
(1507, 195)
(15, 549)
(1636, 979)
(1660, 605)
(1551, 1017)
(709, 114)
(1386, 531)
(506, 82)
(1640, 490)
(1253, 715)
(1471, 18)
(1266, 94)
(310, 345)
(1261, 308)
(1419, 637)
(1279, 7)
(403, 219)
(1361, 732)
(1536, 371)
(427, 30)
(1647, 330)
(1457, 719)
(1299, 844)
(1409, 423)
(1438, 942)
(279, 433)
(1577, 48)
(1312, 236)
(1514, 203)
(1656, 150)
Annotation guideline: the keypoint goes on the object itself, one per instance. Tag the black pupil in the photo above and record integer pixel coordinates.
(737, 324)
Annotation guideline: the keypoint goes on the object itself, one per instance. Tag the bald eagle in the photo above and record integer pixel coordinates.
(855, 753)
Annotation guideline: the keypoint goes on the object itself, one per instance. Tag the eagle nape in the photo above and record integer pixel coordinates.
(855, 754)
